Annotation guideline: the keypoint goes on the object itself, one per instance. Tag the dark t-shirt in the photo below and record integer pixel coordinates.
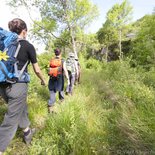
(26, 53)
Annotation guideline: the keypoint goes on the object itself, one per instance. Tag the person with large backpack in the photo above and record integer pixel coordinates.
(72, 69)
(57, 69)
(15, 55)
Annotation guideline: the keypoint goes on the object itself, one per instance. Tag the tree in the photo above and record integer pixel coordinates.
(144, 45)
(69, 15)
(118, 17)
(106, 36)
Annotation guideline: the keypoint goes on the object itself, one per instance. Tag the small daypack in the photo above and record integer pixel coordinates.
(70, 65)
(9, 48)
(55, 69)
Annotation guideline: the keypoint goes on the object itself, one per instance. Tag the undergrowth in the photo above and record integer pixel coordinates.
(112, 111)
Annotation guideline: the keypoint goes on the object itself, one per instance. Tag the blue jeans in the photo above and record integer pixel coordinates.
(52, 99)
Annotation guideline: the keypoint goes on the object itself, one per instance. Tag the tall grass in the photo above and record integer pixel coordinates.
(112, 111)
(77, 128)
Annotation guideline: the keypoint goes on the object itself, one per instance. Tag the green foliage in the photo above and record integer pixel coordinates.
(43, 29)
(107, 34)
(131, 121)
(143, 47)
(93, 64)
(120, 14)
(118, 17)
(66, 19)
(71, 17)
(111, 112)
(76, 128)
(149, 77)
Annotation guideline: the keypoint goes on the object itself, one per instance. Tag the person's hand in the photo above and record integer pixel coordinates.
(43, 83)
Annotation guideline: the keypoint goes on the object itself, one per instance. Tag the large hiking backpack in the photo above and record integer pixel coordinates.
(55, 69)
(9, 48)
(70, 65)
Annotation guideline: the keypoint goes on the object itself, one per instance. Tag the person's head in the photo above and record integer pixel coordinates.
(71, 55)
(57, 52)
(18, 26)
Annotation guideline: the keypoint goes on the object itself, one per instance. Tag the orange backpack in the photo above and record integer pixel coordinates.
(55, 67)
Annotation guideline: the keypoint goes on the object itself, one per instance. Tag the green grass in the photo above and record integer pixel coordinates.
(112, 111)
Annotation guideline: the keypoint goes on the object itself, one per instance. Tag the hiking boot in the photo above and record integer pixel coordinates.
(50, 109)
(61, 100)
(28, 138)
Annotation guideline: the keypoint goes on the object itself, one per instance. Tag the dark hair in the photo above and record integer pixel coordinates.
(57, 52)
(17, 25)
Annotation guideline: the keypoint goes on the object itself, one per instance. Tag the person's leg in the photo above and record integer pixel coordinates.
(67, 89)
(24, 120)
(72, 84)
(61, 95)
(51, 101)
(3, 95)
(24, 123)
(68, 86)
(79, 76)
(16, 95)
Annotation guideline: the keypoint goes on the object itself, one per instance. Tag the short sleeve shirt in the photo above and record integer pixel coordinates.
(26, 53)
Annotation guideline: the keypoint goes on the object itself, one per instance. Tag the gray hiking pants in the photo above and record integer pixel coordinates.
(16, 116)
(69, 88)
(52, 99)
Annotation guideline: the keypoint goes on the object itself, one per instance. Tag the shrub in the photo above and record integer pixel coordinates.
(93, 64)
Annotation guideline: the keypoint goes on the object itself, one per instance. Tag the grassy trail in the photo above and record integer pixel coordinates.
(77, 128)
(110, 112)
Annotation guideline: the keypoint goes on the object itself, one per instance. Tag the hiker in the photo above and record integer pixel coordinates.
(56, 79)
(15, 94)
(72, 69)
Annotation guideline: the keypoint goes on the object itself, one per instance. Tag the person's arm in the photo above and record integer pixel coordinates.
(66, 72)
(33, 59)
(38, 72)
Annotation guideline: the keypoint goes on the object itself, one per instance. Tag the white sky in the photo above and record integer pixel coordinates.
(6, 15)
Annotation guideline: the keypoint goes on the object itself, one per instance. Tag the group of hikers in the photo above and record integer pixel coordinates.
(14, 89)
(58, 68)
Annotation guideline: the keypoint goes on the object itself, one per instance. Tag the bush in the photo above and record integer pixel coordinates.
(93, 64)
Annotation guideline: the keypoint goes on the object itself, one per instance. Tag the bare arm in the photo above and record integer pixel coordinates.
(38, 72)
(65, 70)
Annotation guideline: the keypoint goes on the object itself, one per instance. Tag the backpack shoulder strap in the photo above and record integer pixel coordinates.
(15, 65)
(18, 47)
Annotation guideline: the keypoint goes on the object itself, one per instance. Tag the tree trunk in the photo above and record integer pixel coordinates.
(120, 45)
(73, 42)
(106, 56)
(65, 4)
